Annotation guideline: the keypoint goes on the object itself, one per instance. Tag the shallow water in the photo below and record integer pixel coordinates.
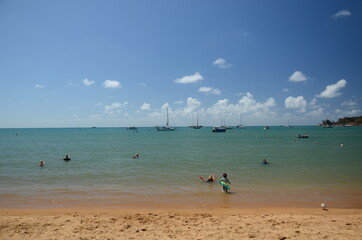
(102, 172)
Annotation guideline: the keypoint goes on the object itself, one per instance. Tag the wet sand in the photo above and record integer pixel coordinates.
(216, 223)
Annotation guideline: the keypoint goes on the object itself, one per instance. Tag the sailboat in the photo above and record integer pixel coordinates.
(166, 127)
(241, 124)
(288, 125)
(197, 126)
(225, 126)
(221, 128)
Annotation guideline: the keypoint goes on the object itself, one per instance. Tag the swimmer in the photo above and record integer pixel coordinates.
(41, 163)
(136, 156)
(211, 178)
(224, 179)
(342, 145)
(264, 162)
(66, 158)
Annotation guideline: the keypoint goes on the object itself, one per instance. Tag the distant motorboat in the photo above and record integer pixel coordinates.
(131, 128)
(303, 136)
(219, 129)
(266, 128)
(166, 128)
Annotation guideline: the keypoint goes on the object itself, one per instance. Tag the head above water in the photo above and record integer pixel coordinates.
(224, 175)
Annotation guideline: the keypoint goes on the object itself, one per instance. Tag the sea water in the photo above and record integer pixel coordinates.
(326, 167)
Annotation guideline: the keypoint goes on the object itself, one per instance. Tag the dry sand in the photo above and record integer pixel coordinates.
(271, 223)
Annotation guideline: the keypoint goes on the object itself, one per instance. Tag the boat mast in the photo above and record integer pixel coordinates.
(167, 118)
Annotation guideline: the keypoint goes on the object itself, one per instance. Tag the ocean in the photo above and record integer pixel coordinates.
(326, 167)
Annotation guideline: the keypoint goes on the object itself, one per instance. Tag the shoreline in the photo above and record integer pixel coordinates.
(170, 223)
(217, 210)
(201, 200)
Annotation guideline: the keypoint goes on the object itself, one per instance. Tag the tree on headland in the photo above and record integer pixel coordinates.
(327, 122)
(346, 121)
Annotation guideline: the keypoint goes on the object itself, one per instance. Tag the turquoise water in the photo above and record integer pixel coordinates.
(102, 172)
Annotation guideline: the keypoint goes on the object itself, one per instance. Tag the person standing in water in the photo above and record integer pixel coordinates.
(223, 181)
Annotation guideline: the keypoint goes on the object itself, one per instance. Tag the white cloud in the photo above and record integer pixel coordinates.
(349, 103)
(142, 84)
(313, 103)
(112, 84)
(190, 79)
(348, 113)
(318, 113)
(210, 90)
(297, 76)
(331, 91)
(114, 108)
(285, 90)
(215, 91)
(342, 13)
(192, 105)
(205, 89)
(145, 107)
(160, 114)
(258, 112)
(262, 111)
(221, 63)
(88, 82)
(178, 102)
(95, 117)
(296, 103)
(39, 86)
(251, 105)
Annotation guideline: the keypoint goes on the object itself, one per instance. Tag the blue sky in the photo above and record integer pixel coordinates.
(121, 63)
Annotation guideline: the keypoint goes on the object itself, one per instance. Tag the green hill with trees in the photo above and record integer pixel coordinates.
(346, 121)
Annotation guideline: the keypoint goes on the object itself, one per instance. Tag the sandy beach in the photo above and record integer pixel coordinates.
(252, 223)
